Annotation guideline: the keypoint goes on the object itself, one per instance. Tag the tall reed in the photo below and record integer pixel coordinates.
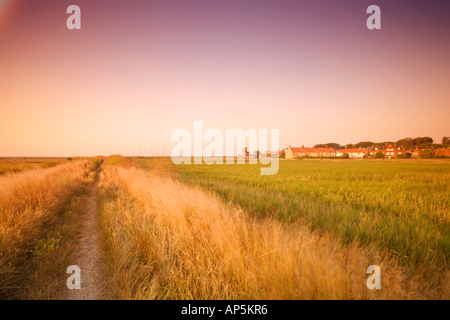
(164, 240)
(29, 202)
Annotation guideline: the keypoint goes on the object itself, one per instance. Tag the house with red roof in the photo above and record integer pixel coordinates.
(296, 152)
(442, 152)
(416, 152)
(390, 151)
(355, 153)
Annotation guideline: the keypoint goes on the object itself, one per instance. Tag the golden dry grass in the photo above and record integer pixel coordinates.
(30, 201)
(14, 165)
(164, 240)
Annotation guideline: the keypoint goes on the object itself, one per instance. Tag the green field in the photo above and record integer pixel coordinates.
(400, 207)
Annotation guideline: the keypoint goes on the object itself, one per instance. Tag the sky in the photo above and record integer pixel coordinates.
(139, 69)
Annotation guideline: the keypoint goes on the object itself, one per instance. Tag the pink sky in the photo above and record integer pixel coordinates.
(140, 69)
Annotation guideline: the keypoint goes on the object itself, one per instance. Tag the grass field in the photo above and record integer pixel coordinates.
(398, 207)
(13, 165)
(164, 240)
(225, 231)
(39, 209)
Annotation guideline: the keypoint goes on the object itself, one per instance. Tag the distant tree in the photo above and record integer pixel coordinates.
(426, 154)
(402, 156)
(335, 145)
(330, 145)
(423, 141)
(379, 155)
(426, 140)
(407, 143)
(350, 146)
(445, 140)
(379, 145)
(364, 144)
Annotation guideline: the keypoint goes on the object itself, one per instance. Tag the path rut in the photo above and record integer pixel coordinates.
(88, 252)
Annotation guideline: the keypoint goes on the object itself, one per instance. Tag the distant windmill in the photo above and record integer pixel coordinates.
(245, 151)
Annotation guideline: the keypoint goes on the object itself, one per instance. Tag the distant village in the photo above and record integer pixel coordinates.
(421, 147)
(389, 151)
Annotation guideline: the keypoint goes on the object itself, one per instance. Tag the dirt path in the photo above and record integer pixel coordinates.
(88, 253)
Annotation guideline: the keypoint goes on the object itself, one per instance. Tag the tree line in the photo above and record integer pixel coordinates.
(407, 143)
